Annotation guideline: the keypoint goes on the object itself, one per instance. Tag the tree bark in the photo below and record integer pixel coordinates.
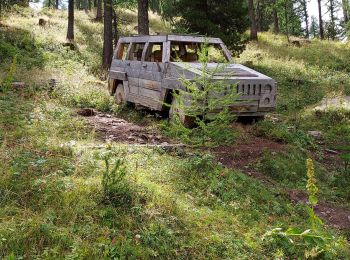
(56, 4)
(115, 25)
(320, 22)
(70, 31)
(287, 19)
(332, 16)
(107, 32)
(276, 28)
(99, 11)
(253, 28)
(345, 6)
(143, 20)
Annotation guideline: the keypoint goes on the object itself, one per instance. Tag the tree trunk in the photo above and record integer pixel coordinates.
(99, 11)
(56, 4)
(115, 25)
(107, 33)
(143, 21)
(332, 16)
(70, 31)
(345, 6)
(89, 2)
(253, 28)
(287, 19)
(306, 18)
(49, 4)
(320, 22)
(276, 28)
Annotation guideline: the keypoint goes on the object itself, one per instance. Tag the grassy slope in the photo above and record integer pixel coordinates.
(305, 76)
(51, 202)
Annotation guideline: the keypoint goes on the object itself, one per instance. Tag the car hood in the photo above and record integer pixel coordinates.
(221, 70)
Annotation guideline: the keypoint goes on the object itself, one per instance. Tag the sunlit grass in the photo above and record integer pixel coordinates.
(183, 205)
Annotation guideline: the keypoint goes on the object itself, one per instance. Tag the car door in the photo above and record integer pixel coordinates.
(151, 75)
(133, 69)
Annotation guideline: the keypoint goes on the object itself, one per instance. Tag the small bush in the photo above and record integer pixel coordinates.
(205, 102)
(116, 188)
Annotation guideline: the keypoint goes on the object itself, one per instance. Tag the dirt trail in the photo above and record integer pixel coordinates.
(242, 155)
(115, 129)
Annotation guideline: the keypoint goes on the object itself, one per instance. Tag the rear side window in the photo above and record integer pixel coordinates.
(136, 51)
(122, 51)
(154, 52)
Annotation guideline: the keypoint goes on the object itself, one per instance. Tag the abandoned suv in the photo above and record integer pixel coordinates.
(146, 70)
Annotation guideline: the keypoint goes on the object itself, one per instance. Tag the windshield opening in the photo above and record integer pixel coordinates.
(189, 52)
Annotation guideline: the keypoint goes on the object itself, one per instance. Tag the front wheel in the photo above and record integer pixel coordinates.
(119, 95)
(185, 120)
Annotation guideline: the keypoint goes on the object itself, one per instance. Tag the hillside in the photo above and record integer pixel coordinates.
(177, 202)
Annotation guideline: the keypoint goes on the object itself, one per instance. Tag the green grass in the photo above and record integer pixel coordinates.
(52, 204)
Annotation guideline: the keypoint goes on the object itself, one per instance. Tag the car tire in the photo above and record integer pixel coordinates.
(185, 120)
(119, 95)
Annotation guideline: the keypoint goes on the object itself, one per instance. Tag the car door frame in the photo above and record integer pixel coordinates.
(151, 76)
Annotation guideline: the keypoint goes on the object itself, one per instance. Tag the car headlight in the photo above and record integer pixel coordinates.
(267, 88)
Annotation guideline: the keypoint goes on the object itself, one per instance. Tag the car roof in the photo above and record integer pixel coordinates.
(169, 37)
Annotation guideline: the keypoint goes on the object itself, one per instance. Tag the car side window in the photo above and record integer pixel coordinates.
(136, 51)
(122, 51)
(154, 52)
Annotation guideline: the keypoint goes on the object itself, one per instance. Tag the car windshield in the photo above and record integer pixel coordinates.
(190, 52)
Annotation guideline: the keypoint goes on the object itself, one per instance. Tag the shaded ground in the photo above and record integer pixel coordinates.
(242, 155)
(115, 129)
(333, 216)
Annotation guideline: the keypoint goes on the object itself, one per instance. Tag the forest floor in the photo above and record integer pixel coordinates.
(243, 155)
(176, 201)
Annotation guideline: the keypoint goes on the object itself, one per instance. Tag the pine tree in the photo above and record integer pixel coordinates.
(314, 28)
(320, 21)
(332, 27)
(306, 17)
(227, 20)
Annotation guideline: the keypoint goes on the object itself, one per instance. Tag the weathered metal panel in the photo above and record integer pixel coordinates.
(133, 90)
(187, 38)
(150, 84)
(154, 94)
(133, 81)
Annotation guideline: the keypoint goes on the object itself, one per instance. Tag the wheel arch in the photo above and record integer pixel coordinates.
(112, 85)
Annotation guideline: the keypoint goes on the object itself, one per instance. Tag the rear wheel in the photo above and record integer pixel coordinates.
(119, 95)
(185, 120)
